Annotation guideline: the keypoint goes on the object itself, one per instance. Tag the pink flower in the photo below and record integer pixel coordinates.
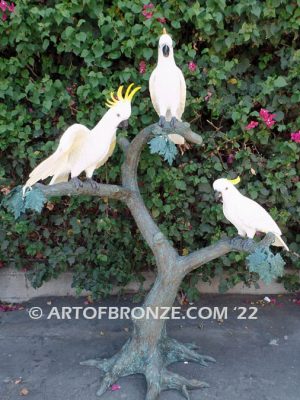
(11, 8)
(208, 96)
(115, 387)
(3, 6)
(251, 125)
(192, 66)
(10, 307)
(142, 67)
(148, 14)
(295, 137)
(162, 20)
(264, 113)
(4, 17)
(270, 122)
(267, 117)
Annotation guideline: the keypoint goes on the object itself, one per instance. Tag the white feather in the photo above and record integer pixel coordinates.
(81, 149)
(168, 91)
(245, 214)
(167, 88)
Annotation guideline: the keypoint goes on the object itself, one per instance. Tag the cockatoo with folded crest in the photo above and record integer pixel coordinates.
(81, 149)
(167, 87)
(245, 214)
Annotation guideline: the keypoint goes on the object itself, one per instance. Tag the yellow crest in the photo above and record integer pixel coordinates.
(235, 181)
(128, 95)
(164, 31)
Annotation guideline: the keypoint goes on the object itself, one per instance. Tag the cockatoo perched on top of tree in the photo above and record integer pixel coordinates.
(167, 87)
(245, 214)
(81, 149)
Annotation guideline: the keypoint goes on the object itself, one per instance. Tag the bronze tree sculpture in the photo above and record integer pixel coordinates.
(150, 350)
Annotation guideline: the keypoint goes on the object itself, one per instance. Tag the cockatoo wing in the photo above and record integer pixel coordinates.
(255, 216)
(102, 160)
(251, 216)
(177, 139)
(59, 178)
(152, 90)
(57, 165)
(110, 151)
(182, 95)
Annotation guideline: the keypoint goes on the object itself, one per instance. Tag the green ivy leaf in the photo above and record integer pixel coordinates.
(39, 100)
(256, 10)
(180, 185)
(81, 36)
(280, 82)
(147, 53)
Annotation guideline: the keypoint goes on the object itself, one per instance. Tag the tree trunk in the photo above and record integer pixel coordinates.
(149, 351)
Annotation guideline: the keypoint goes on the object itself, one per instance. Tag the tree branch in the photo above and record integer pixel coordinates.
(145, 222)
(124, 143)
(68, 189)
(197, 258)
(129, 191)
(183, 129)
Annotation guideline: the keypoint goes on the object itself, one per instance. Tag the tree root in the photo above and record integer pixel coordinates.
(177, 382)
(151, 362)
(176, 352)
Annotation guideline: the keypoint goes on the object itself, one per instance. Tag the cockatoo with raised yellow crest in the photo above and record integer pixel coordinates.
(81, 149)
(167, 87)
(245, 214)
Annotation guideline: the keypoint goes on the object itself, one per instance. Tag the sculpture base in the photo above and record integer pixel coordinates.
(140, 356)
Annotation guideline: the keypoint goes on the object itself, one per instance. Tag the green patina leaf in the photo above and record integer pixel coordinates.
(15, 202)
(35, 200)
(163, 146)
(266, 264)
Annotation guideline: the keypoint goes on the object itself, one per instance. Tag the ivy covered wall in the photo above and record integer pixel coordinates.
(59, 60)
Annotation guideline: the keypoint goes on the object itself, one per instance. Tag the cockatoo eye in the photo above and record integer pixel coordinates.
(118, 115)
(226, 188)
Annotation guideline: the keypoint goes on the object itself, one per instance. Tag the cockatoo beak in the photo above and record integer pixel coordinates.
(166, 50)
(218, 197)
(123, 124)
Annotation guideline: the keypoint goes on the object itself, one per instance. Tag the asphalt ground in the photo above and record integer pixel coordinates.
(256, 358)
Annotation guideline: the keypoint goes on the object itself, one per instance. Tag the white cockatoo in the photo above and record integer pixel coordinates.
(167, 87)
(81, 149)
(245, 214)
